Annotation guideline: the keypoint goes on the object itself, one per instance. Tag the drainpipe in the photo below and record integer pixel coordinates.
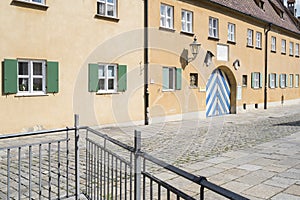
(266, 66)
(146, 63)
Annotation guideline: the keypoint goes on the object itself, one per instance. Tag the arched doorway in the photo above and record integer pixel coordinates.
(220, 91)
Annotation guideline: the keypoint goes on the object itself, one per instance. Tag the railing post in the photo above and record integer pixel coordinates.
(137, 165)
(77, 176)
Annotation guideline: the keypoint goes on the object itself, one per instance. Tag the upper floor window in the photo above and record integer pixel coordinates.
(250, 38)
(35, 1)
(297, 50)
(231, 32)
(107, 8)
(283, 46)
(258, 39)
(291, 49)
(166, 16)
(213, 27)
(273, 44)
(186, 21)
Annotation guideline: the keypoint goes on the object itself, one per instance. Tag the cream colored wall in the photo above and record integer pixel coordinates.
(167, 46)
(69, 33)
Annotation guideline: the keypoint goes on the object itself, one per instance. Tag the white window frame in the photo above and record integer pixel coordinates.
(250, 37)
(213, 27)
(282, 80)
(283, 46)
(291, 80)
(296, 80)
(172, 79)
(256, 80)
(106, 4)
(31, 78)
(273, 44)
(42, 2)
(272, 80)
(106, 77)
(297, 49)
(291, 49)
(165, 17)
(231, 32)
(186, 21)
(258, 40)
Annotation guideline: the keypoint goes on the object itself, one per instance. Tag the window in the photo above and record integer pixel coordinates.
(250, 38)
(272, 80)
(213, 27)
(107, 8)
(297, 50)
(244, 80)
(107, 78)
(231, 32)
(193, 80)
(186, 21)
(30, 77)
(291, 79)
(273, 44)
(282, 80)
(35, 1)
(291, 53)
(297, 80)
(283, 46)
(171, 78)
(166, 16)
(256, 80)
(258, 40)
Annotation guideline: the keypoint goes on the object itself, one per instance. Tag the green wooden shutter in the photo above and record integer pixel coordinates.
(165, 81)
(10, 82)
(122, 78)
(178, 78)
(261, 80)
(93, 78)
(252, 80)
(52, 77)
(276, 80)
(269, 80)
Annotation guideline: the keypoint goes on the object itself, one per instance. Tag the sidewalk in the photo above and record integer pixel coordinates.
(255, 154)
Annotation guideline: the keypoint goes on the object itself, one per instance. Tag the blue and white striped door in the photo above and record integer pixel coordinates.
(217, 94)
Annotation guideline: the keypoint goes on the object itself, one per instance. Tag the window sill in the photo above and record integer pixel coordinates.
(106, 93)
(297, 56)
(194, 87)
(283, 53)
(113, 19)
(231, 42)
(187, 33)
(25, 4)
(213, 38)
(171, 90)
(258, 48)
(250, 46)
(291, 55)
(166, 29)
(30, 95)
(244, 85)
(272, 51)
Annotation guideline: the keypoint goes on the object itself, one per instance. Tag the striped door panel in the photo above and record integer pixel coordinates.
(217, 94)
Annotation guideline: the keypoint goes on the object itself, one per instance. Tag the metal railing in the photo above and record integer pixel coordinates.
(54, 165)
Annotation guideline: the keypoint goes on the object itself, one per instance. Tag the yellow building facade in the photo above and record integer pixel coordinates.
(87, 57)
(235, 70)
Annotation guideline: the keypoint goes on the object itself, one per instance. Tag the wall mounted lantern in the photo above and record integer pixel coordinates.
(236, 64)
(195, 46)
(208, 58)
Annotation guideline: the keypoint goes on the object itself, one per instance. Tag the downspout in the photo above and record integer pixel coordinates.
(146, 64)
(266, 66)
